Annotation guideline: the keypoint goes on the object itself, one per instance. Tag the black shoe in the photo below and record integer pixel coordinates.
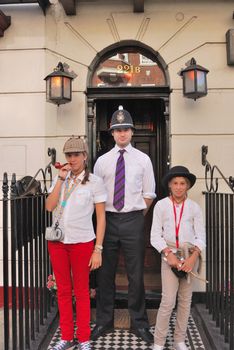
(101, 330)
(144, 334)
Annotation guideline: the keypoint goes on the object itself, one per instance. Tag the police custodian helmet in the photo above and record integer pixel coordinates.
(121, 119)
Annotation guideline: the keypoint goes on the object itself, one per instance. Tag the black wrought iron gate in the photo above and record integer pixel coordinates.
(28, 306)
(220, 249)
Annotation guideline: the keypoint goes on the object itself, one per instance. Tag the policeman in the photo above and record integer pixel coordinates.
(129, 180)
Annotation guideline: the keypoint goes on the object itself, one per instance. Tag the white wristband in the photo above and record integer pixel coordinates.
(99, 247)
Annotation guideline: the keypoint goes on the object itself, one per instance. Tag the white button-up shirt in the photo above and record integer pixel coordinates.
(139, 177)
(191, 229)
(76, 218)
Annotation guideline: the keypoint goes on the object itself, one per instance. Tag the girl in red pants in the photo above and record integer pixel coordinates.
(74, 195)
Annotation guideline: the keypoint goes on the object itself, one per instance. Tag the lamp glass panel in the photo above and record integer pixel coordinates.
(67, 88)
(56, 87)
(189, 81)
(48, 89)
(201, 81)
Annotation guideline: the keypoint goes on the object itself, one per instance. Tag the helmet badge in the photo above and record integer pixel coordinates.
(120, 117)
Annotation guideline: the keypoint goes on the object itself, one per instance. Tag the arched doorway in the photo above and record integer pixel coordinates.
(131, 74)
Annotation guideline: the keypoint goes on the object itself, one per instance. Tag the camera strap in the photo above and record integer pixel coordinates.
(70, 186)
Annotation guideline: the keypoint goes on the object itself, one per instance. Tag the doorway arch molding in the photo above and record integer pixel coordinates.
(131, 46)
(151, 92)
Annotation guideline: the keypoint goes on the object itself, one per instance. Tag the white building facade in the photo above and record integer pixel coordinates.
(168, 33)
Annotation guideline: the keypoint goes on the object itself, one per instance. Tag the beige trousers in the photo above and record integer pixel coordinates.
(171, 286)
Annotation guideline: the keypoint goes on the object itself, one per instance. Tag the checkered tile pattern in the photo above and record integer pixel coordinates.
(124, 340)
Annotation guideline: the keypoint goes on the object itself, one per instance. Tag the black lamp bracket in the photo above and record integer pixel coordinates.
(211, 180)
(60, 67)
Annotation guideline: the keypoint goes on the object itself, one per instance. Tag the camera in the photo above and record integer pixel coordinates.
(54, 233)
(58, 233)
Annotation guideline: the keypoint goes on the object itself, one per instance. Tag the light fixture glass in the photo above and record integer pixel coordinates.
(59, 86)
(194, 80)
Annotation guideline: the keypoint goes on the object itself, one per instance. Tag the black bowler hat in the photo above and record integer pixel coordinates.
(121, 119)
(178, 170)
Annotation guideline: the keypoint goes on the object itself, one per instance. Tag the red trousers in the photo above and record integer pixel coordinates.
(71, 270)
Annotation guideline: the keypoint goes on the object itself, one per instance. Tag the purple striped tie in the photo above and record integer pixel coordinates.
(119, 190)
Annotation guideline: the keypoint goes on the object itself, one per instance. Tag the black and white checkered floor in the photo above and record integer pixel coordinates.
(124, 340)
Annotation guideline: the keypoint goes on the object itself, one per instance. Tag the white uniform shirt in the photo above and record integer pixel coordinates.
(76, 219)
(139, 177)
(191, 229)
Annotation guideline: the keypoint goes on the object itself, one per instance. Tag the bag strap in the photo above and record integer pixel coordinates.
(68, 190)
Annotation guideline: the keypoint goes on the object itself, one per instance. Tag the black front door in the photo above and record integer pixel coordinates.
(149, 137)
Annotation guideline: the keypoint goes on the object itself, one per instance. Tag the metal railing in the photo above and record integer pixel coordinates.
(28, 305)
(220, 247)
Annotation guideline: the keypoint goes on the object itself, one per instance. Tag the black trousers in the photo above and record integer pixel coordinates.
(125, 230)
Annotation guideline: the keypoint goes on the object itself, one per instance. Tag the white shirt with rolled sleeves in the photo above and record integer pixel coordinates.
(139, 177)
(76, 220)
(191, 229)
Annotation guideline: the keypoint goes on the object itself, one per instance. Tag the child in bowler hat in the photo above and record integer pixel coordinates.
(177, 233)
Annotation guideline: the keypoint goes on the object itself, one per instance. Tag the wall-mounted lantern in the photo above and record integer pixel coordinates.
(5, 22)
(229, 46)
(194, 80)
(59, 85)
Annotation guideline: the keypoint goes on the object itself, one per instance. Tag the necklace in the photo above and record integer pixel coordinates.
(178, 201)
(73, 176)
